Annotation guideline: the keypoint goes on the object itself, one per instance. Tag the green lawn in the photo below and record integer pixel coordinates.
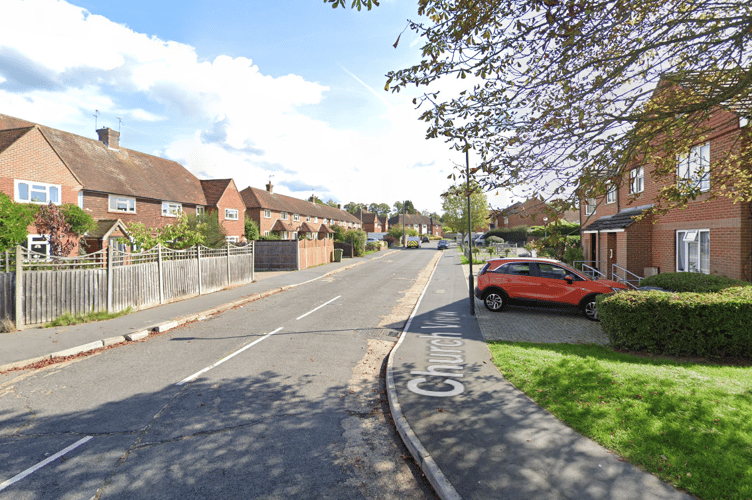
(68, 319)
(689, 423)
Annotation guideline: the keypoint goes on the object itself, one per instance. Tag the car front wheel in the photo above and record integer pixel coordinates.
(494, 301)
(590, 310)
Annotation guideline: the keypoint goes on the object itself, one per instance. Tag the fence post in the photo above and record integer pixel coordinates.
(159, 270)
(253, 260)
(19, 319)
(198, 264)
(297, 255)
(109, 279)
(228, 264)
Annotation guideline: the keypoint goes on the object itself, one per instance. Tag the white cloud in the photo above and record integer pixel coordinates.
(223, 116)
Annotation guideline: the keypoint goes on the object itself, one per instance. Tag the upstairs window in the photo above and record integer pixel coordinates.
(267, 215)
(171, 209)
(37, 192)
(308, 218)
(296, 217)
(231, 214)
(200, 210)
(121, 204)
(693, 170)
(611, 194)
(590, 206)
(284, 216)
(636, 180)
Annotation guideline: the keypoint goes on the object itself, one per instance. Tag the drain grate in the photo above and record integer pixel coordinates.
(377, 333)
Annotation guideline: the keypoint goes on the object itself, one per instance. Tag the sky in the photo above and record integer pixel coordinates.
(289, 91)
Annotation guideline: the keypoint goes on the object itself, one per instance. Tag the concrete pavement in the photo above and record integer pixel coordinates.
(472, 432)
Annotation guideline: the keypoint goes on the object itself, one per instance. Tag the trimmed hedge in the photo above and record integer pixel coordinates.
(680, 324)
(509, 234)
(692, 282)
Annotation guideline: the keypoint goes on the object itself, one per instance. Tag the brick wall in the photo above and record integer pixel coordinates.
(231, 199)
(148, 212)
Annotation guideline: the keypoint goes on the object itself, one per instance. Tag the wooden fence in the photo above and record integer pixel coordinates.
(113, 281)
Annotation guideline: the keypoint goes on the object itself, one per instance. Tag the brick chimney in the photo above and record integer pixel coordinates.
(109, 137)
(339, 206)
(269, 186)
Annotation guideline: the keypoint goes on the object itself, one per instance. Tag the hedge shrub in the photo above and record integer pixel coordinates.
(680, 324)
(692, 282)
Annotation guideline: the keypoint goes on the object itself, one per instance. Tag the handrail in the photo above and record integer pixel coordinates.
(589, 270)
(625, 279)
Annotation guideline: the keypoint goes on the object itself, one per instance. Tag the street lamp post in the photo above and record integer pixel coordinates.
(471, 279)
(545, 227)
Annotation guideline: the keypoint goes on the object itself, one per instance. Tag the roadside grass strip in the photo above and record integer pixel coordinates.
(688, 423)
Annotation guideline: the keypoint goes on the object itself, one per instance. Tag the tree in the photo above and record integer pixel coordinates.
(213, 235)
(50, 221)
(564, 96)
(353, 207)
(380, 209)
(252, 231)
(339, 233)
(454, 206)
(357, 239)
(408, 206)
(15, 219)
(186, 232)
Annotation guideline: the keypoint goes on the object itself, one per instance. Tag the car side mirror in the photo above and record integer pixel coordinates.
(569, 279)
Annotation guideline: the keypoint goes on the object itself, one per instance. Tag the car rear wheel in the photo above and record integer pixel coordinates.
(590, 310)
(494, 301)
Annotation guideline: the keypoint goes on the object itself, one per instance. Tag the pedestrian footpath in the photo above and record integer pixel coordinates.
(474, 435)
(33, 345)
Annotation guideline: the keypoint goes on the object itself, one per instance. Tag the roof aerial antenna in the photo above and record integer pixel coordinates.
(120, 121)
(96, 115)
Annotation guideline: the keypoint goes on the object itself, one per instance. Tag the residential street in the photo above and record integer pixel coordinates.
(281, 398)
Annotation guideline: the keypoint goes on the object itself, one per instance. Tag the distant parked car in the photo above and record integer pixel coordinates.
(443, 245)
(529, 281)
(425, 239)
(372, 240)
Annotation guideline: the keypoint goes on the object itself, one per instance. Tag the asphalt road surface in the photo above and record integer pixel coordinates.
(282, 398)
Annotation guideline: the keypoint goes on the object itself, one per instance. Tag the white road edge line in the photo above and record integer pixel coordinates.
(229, 356)
(41, 464)
(319, 307)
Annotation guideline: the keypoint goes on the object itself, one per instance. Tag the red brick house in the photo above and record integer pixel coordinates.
(423, 224)
(372, 223)
(284, 215)
(530, 213)
(103, 178)
(223, 198)
(709, 236)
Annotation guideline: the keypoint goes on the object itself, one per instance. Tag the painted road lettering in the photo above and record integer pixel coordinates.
(446, 360)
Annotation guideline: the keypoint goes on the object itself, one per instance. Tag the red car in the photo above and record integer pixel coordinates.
(546, 282)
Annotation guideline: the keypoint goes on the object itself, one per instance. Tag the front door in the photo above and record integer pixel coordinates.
(610, 252)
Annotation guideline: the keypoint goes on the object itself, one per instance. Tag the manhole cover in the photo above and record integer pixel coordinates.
(377, 333)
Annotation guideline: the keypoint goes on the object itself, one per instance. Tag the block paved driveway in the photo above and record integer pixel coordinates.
(537, 324)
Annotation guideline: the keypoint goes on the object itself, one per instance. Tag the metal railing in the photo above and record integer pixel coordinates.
(592, 271)
(627, 277)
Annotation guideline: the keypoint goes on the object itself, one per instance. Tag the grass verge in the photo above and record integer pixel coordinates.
(465, 260)
(688, 423)
(68, 319)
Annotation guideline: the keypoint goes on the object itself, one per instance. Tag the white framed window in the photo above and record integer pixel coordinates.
(693, 251)
(693, 170)
(233, 239)
(506, 220)
(81, 200)
(266, 233)
(296, 217)
(37, 192)
(267, 215)
(316, 219)
(294, 236)
(200, 210)
(284, 216)
(590, 206)
(39, 245)
(636, 180)
(425, 226)
(231, 214)
(171, 209)
(308, 218)
(611, 194)
(325, 220)
(284, 235)
(121, 204)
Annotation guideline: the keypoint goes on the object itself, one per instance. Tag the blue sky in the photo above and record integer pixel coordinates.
(230, 88)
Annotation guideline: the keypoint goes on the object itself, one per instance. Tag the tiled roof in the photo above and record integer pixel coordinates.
(8, 137)
(619, 221)
(413, 219)
(261, 198)
(105, 227)
(284, 226)
(325, 229)
(307, 228)
(122, 171)
(711, 85)
(214, 189)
